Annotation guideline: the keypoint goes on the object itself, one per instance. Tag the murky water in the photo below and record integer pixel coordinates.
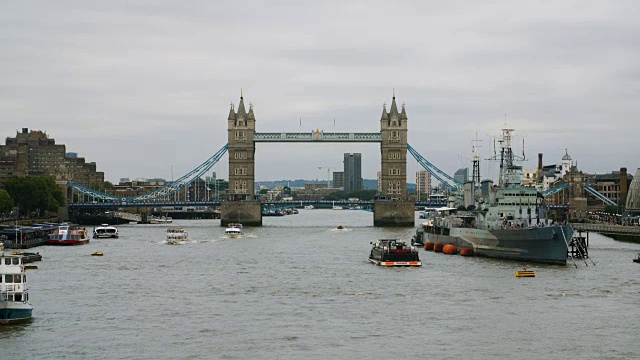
(298, 288)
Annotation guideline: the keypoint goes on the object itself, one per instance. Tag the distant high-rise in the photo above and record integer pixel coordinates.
(338, 179)
(462, 175)
(423, 182)
(352, 172)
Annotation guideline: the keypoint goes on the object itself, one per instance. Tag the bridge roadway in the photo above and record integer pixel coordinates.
(323, 203)
(607, 228)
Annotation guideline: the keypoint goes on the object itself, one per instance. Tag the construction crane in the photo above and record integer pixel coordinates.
(328, 174)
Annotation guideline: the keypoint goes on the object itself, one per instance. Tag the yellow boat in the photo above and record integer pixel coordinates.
(525, 273)
(97, 253)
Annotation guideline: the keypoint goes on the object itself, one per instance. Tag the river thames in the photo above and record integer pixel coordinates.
(297, 288)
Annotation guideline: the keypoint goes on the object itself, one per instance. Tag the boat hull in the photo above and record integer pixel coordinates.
(13, 312)
(67, 242)
(536, 244)
(395, 263)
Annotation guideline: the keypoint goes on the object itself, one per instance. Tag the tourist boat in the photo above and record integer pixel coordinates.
(509, 222)
(68, 234)
(234, 230)
(637, 259)
(14, 296)
(177, 236)
(105, 231)
(392, 252)
(309, 207)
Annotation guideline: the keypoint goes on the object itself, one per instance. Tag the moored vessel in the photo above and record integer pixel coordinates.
(14, 296)
(68, 234)
(392, 252)
(105, 231)
(234, 230)
(177, 236)
(506, 222)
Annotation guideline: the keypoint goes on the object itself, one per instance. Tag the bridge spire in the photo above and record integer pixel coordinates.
(394, 107)
(384, 116)
(241, 110)
(232, 114)
(251, 116)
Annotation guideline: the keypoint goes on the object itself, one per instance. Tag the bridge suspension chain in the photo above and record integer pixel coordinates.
(450, 182)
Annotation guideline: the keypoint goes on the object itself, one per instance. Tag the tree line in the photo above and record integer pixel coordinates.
(31, 195)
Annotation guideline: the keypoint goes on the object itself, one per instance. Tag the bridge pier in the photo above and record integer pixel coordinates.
(247, 213)
(393, 213)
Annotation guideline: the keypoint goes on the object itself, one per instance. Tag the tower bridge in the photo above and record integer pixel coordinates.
(391, 209)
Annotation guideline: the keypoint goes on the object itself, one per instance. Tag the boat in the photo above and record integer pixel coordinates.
(28, 257)
(508, 222)
(23, 237)
(105, 231)
(234, 230)
(525, 273)
(309, 207)
(68, 234)
(393, 252)
(160, 220)
(637, 259)
(97, 253)
(14, 295)
(177, 236)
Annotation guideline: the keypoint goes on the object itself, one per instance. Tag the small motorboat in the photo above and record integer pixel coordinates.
(234, 230)
(525, 273)
(97, 253)
(392, 252)
(637, 259)
(340, 227)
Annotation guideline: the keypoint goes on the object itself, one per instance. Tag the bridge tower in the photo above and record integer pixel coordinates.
(393, 207)
(241, 206)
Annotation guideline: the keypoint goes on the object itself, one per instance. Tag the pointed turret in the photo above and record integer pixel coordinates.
(250, 116)
(403, 114)
(241, 111)
(232, 114)
(384, 116)
(394, 107)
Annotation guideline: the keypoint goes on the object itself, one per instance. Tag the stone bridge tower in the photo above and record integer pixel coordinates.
(242, 149)
(393, 207)
(241, 206)
(393, 153)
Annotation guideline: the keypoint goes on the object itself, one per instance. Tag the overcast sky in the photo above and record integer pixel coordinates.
(144, 87)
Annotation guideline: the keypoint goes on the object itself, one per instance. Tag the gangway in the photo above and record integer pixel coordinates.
(440, 175)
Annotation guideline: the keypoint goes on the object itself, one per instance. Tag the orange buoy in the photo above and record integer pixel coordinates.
(466, 251)
(437, 247)
(428, 246)
(450, 249)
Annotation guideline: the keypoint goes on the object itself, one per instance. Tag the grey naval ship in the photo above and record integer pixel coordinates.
(506, 221)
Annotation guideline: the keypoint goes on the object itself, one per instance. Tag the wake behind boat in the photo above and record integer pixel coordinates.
(234, 230)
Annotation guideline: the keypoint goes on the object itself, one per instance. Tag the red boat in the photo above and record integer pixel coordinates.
(69, 234)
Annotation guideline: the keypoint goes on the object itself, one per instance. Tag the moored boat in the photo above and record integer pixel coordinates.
(161, 220)
(68, 234)
(28, 257)
(392, 252)
(637, 259)
(105, 231)
(508, 222)
(234, 230)
(177, 236)
(14, 296)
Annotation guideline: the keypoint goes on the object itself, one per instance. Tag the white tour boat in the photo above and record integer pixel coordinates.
(234, 230)
(161, 220)
(177, 236)
(105, 231)
(14, 297)
(309, 207)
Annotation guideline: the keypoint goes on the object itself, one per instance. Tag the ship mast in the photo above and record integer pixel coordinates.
(510, 174)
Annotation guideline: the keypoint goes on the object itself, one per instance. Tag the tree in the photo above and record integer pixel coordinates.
(35, 194)
(263, 191)
(6, 202)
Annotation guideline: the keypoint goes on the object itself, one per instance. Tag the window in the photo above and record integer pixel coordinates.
(8, 279)
(394, 155)
(241, 155)
(394, 171)
(16, 261)
(241, 171)
(394, 135)
(7, 261)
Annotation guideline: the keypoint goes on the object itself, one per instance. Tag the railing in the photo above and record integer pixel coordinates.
(607, 228)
